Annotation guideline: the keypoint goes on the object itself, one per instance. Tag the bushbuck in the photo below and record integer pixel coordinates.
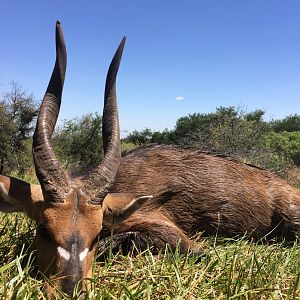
(155, 195)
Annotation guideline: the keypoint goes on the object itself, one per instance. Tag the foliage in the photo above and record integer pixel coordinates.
(140, 137)
(285, 143)
(164, 137)
(78, 142)
(127, 146)
(189, 128)
(278, 163)
(147, 136)
(290, 123)
(18, 111)
(227, 131)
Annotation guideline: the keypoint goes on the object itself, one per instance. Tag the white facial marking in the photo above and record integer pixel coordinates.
(63, 253)
(83, 254)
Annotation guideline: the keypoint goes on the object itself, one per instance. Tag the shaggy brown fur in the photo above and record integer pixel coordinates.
(198, 192)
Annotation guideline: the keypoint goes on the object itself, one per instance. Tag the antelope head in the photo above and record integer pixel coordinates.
(71, 215)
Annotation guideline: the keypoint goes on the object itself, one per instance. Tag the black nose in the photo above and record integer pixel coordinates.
(69, 284)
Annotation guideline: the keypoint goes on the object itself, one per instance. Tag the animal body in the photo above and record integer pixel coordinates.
(157, 195)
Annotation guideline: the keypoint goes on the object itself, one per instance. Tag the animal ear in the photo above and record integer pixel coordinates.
(19, 196)
(119, 206)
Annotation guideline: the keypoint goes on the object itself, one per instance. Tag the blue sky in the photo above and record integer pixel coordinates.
(181, 56)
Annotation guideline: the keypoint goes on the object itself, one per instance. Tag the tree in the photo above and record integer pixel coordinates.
(289, 124)
(191, 127)
(285, 143)
(18, 111)
(140, 137)
(147, 136)
(163, 137)
(78, 142)
(227, 131)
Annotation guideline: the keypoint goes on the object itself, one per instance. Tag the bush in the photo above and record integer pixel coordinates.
(290, 123)
(285, 143)
(228, 131)
(78, 142)
(147, 136)
(268, 159)
(18, 111)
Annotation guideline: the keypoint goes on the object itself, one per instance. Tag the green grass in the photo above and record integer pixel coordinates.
(232, 269)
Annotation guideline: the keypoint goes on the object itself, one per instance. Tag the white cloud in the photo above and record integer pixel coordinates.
(179, 98)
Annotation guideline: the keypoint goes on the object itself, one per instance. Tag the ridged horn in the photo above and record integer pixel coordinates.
(52, 177)
(101, 178)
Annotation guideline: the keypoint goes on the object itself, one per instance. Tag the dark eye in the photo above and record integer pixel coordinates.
(43, 232)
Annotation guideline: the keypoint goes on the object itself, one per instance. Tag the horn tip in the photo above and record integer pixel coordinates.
(121, 46)
(123, 41)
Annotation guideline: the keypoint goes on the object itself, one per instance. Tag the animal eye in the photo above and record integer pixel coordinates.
(43, 232)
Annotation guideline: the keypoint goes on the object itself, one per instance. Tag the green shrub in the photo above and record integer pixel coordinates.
(285, 143)
(289, 123)
(78, 142)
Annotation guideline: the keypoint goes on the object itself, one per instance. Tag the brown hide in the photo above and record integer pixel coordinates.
(200, 192)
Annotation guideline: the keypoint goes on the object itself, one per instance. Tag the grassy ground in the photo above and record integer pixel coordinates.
(232, 269)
